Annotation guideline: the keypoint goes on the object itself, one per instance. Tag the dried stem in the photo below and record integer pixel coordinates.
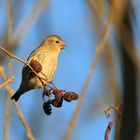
(20, 115)
(98, 54)
(108, 129)
(116, 108)
(6, 82)
(7, 118)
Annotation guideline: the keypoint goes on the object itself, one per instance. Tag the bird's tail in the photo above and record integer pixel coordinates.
(17, 95)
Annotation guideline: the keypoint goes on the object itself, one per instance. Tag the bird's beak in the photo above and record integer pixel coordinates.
(63, 46)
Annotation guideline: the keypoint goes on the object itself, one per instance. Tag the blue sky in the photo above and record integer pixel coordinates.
(72, 20)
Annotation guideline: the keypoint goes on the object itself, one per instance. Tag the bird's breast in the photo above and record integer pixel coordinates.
(48, 62)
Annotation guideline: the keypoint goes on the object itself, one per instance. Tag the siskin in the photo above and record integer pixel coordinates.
(45, 57)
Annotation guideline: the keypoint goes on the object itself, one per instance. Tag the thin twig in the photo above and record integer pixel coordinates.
(116, 108)
(6, 82)
(20, 115)
(21, 60)
(108, 129)
(7, 118)
(98, 54)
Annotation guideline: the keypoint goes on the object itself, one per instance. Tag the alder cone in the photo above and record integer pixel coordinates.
(47, 107)
(36, 66)
(58, 99)
(70, 96)
(57, 103)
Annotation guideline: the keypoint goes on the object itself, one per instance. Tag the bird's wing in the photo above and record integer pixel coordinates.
(33, 52)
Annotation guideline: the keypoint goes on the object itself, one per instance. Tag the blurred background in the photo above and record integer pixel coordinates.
(82, 24)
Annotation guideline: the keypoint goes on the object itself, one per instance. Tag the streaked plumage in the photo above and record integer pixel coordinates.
(47, 55)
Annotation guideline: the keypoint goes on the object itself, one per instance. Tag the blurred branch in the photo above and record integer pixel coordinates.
(10, 23)
(129, 65)
(20, 115)
(8, 81)
(12, 56)
(98, 10)
(119, 20)
(109, 127)
(17, 58)
(34, 14)
(118, 110)
(98, 54)
(109, 63)
(9, 46)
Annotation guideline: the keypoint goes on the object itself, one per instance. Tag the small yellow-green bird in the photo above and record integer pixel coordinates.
(47, 57)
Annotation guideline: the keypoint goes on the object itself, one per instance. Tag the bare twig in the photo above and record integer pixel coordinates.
(7, 118)
(21, 60)
(6, 82)
(108, 129)
(98, 54)
(116, 108)
(20, 115)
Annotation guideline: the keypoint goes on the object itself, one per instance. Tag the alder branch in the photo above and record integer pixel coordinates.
(27, 64)
(22, 61)
(117, 108)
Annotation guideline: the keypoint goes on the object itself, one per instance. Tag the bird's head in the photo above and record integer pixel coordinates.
(54, 42)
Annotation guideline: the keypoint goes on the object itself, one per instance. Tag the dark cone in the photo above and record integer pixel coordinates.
(57, 103)
(70, 96)
(47, 107)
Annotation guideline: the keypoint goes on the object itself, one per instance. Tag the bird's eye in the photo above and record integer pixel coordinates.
(57, 41)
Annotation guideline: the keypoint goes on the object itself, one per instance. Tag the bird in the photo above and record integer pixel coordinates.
(44, 60)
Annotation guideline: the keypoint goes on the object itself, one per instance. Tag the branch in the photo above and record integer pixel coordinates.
(27, 64)
(20, 115)
(95, 60)
(117, 108)
(108, 129)
(9, 45)
(6, 82)
(10, 23)
(22, 61)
